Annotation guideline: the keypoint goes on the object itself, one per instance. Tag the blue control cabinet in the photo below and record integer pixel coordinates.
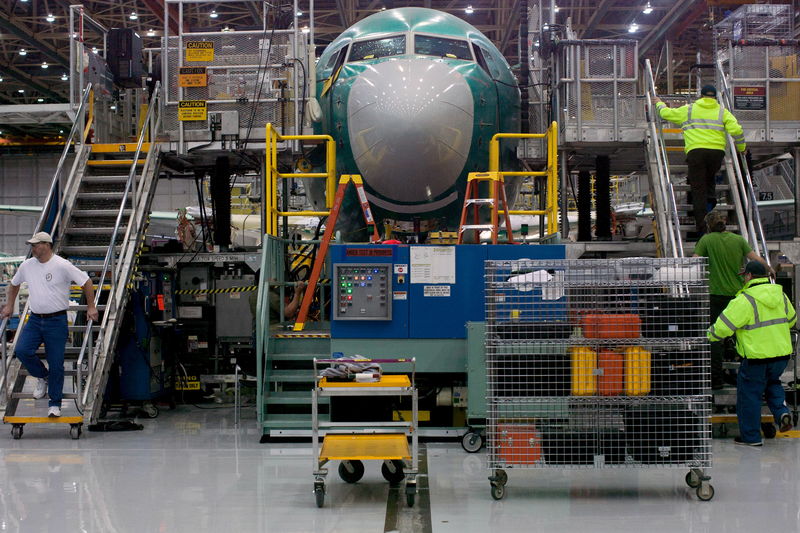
(428, 308)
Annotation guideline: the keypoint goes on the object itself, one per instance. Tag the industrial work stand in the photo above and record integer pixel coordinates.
(354, 442)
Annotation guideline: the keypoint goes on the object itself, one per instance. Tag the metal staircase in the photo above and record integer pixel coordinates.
(97, 215)
(667, 171)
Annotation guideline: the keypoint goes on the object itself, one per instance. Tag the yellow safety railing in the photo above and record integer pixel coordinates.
(271, 209)
(551, 173)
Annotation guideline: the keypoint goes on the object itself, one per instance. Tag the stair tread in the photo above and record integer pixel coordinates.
(476, 226)
(295, 376)
(100, 212)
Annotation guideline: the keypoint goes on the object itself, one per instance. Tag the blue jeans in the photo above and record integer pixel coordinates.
(53, 332)
(752, 382)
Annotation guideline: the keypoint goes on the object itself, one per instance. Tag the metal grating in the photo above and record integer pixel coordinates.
(598, 363)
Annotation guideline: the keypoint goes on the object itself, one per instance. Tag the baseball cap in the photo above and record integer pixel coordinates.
(755, 269)
(42, 236)
(709, 90)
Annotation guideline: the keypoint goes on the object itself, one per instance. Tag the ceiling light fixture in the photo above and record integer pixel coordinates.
(64, 77)
(213, 14)
(151, 33)
(299, 13)
(304, 29)
(556, 9)
(227, 28)
(133, 15)
(1, 78)
(647, 9)
(20, 91)
(633, 28)
(469, 10)
(45, 65)
(23, 52)
(50, 18)
(94, 49)
(40, 100)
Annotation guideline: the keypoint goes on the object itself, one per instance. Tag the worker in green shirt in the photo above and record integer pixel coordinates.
(726, 253)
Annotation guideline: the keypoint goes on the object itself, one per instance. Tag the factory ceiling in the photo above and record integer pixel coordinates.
(34, 45)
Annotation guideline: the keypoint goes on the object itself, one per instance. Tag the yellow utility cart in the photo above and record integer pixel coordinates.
(351, 443)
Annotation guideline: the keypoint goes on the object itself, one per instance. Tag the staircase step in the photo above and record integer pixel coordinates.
(293, 398)
(89, 213)
(291, 376)
(685, 187)
(95, 327)
(292, 421)
(479, 201)
(101, 195)
(92, 251)
(113, 162)
(106, 178)
(67, 372)
(297, 357)
(82, 307)
(118, 148)
(28, 395)
(480, 227)
(102, 230)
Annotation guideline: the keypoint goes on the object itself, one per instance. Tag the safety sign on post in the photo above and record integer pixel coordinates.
(192, 110)
(199, 51)
(192, 77)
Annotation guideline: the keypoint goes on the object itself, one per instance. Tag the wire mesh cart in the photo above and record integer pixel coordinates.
(351, 443)
(598, 364)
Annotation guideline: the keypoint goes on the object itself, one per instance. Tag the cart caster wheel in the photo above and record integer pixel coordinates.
(75, 431)
(351, 471)
(393, 471)
(500, 477)
(705, 492)
(498, 491)
(769, 430)
(692, 480)
(151, 411)
(411, 493)
(319, 495)
(472, 441)
(16, 431)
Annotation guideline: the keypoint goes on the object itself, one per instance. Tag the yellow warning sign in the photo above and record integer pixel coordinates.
(192, 77)
(192, 110)
(199, 51)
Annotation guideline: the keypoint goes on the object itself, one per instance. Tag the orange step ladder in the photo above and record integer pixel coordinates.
(496, 202)
(344, 181)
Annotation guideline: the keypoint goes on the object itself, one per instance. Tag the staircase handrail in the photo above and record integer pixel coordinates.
(150, 125)
(666, 191)
(40, 223)
(743, 178)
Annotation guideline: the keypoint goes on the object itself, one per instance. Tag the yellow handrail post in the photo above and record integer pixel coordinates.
(89, 121)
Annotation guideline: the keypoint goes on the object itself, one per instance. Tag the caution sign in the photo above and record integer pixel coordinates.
(750, 98)
(192, 77)
(192, 110)
(199, 51)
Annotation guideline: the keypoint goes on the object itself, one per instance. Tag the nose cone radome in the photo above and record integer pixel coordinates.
(410, 123)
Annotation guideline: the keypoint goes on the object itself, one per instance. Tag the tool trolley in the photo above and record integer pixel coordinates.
(351, 443)
(598, 364)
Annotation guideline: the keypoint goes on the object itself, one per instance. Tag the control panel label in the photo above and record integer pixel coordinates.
(400, 268)
(436, 290)
(189, 110)
(400, 295)
(192, 77)
(368, 252)
(199, 51)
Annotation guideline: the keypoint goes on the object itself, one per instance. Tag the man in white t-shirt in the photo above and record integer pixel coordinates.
(49, 279)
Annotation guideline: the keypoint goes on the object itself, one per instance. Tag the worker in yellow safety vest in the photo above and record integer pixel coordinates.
(704, 124)
(760, 316)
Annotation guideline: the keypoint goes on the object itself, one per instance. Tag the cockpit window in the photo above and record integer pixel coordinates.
(440, 47)
(335, 56)
(375, 48)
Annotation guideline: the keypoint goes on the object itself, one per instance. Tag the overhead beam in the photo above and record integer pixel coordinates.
(596, 17)
(512, 18)
(678, 11)
(157, 8)
(28, 38)
(342, 13)
(698, 10)
(17, 74)
(252, 7)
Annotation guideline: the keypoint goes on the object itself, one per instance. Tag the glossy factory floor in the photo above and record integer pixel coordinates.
(190, 470)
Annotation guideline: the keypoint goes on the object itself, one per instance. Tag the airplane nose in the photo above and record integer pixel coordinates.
(410, 125)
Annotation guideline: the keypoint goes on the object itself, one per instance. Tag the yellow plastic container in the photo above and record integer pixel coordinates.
(637, 371)
(584, 362)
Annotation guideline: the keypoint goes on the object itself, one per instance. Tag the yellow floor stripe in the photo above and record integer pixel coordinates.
(791, 434)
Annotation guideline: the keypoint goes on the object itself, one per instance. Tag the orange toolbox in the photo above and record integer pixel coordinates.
(609, 379)
(621, 326)
(519, 444)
